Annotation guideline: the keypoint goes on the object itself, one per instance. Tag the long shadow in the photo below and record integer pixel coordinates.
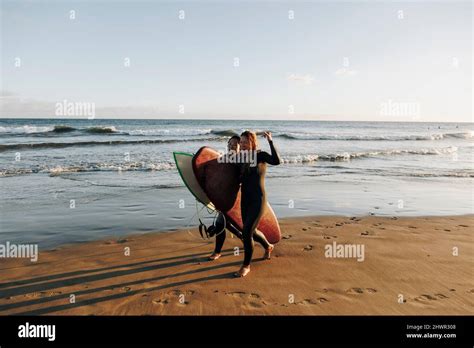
(122, 295)
(90, 278)
(100, 254)
(93, 270)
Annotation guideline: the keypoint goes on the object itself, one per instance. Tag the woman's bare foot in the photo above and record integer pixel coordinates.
(243, 271)
(214, 256)
(268, 252)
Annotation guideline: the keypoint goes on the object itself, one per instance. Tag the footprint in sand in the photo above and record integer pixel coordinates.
(361, 291)
(305, 228)
(173, 296)
(41, 294)
(160, 301)
(329, 237)
(428, 297)
(309, 247)
(255, 305)
(368, 233)
(251, 300)
(287, 237)
(463, 225)
(242, 294)
(309, 301)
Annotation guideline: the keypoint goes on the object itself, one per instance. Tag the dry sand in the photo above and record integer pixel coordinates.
(168, 273)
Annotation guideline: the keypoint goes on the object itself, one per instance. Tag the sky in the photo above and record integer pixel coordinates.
(321, 60)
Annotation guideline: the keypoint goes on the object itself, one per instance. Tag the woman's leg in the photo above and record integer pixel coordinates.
(220, 238)
(254, 213)
(259, 237)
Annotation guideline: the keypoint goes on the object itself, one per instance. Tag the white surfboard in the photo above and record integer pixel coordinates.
(184, 163)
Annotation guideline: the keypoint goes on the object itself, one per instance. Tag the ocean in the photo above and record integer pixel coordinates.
(74, 180)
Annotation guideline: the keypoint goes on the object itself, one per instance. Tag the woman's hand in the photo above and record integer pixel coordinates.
(268, 135)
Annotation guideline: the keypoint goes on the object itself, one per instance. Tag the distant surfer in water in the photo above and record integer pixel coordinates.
(233, 146)
(253, 197)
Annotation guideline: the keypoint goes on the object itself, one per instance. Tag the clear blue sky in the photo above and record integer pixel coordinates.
(424, 58)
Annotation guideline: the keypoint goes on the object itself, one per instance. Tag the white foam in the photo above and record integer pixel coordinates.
(171, 132)
(346, 156)
(26, 129)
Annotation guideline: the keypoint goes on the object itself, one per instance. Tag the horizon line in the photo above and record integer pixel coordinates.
(224, 119)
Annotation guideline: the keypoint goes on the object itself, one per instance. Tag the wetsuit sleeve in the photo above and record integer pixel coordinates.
(233, 230)
(273, 159)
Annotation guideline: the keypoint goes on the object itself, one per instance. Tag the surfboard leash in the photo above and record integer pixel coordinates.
(206, 232)
(210, 231)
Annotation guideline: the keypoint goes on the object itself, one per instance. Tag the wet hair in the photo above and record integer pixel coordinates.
(252, 139)
(234, 137)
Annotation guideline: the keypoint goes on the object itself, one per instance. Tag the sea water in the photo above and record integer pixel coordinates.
(70, 180)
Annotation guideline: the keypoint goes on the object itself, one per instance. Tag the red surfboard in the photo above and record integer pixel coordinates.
(221, 183)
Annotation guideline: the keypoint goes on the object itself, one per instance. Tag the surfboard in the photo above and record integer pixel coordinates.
(221, 185)
(184, 163)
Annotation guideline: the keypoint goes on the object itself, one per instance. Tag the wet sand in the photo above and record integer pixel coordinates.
(408, 267)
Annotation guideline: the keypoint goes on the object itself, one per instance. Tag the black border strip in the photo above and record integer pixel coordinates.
(194, 330)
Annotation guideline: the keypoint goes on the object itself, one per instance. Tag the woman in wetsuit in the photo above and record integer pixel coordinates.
(253, 197)
(232, 145)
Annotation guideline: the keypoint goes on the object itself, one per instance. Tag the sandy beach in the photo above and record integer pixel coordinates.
(408, 267)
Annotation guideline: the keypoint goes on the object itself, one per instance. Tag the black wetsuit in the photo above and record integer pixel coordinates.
(220, 237)
(254, 200)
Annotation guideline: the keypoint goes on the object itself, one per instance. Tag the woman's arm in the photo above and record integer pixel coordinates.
(233, 230)
(274, 157)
